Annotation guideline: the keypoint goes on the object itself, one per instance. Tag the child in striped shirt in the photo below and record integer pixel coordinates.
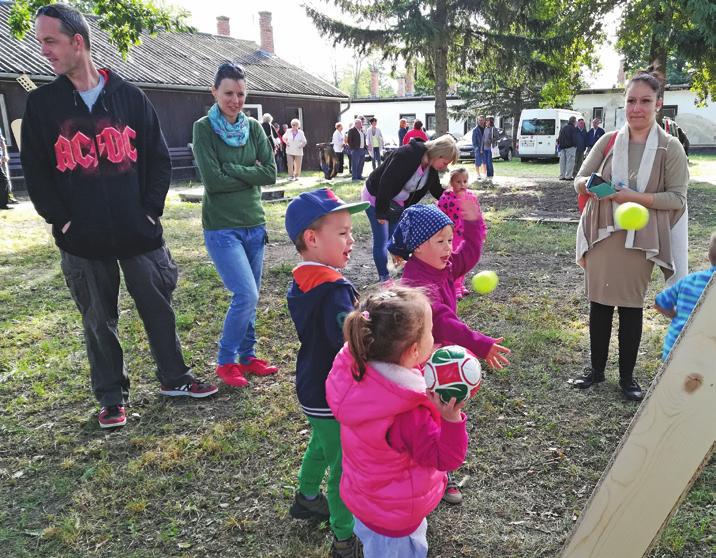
(678, 301)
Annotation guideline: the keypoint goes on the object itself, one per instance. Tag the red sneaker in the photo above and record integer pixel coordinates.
(112, 416)
(258, 367)
(196, 388)
(231, 375)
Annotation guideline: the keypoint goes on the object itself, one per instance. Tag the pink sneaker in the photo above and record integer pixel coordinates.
(112, 416)
(452, 491)
(231, 375)
(257, 367)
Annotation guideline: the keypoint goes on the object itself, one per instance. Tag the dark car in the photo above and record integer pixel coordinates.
(502, 146)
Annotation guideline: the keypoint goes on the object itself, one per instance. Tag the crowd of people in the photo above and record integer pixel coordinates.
(387, 444)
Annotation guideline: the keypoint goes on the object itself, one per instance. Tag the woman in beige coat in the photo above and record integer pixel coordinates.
(295, 142)
(649, 167)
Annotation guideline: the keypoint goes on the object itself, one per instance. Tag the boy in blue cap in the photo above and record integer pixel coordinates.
(319, 299)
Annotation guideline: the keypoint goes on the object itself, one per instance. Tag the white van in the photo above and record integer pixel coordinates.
(538, 132)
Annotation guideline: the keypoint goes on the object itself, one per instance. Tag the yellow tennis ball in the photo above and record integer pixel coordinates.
(485, 282)
(631, 216)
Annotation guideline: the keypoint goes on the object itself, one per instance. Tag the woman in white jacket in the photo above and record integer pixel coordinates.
(295, 142)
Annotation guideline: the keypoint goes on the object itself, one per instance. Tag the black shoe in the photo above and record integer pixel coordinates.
(350, 548)
(303, 508)
(632, 390)
(5, 207)
(587, 379)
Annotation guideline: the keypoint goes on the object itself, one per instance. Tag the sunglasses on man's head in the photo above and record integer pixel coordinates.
(51, 11)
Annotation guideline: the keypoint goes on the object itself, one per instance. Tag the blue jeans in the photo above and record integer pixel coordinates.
(487, 158)
(478, 157)
(381, 236)
(238, 255)
(357, 162)
(376, 157)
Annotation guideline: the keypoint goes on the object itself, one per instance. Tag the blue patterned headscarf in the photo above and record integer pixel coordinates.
(417, 224)
(234, 135)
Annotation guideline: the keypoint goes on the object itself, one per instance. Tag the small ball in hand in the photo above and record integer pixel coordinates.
(631, 216)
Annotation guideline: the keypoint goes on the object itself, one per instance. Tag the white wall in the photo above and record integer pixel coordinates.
(699, 123)
(388, 114)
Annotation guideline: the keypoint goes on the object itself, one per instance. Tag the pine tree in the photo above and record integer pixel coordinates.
(450, 35)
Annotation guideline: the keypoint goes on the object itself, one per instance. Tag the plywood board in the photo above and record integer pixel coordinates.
(662, 451)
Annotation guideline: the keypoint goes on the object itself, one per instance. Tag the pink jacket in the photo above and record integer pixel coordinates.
(448, 329)
(382, 483)
(449, 204)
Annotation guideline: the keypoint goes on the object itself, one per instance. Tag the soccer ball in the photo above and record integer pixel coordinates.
(453, 371)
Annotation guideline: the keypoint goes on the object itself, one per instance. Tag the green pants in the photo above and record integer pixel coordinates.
(324, 452)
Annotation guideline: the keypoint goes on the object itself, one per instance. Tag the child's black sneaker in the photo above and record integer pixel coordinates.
(196, 388)
(112, 416)
(349, 548)
(303, 508)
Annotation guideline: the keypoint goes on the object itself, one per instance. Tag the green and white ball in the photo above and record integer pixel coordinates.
(453, 371)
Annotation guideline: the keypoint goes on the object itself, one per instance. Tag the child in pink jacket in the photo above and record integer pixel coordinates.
(424, 237)
(397, 439)
(449, 203)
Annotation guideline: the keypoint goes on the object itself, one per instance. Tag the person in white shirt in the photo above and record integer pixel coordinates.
(338, 140)
(374, 141)
(295, 142)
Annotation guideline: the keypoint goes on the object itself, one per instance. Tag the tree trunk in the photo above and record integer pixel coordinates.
(658, 49)
(440, 71)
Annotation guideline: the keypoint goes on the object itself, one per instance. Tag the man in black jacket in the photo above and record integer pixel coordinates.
(98, 170)
(356, 143)
(567, 149)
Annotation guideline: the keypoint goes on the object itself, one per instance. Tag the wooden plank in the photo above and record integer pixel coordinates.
(662, 451)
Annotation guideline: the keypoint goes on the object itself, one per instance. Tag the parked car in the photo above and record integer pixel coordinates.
(502, 146)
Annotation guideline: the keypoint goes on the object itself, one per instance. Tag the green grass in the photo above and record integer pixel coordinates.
(210, 478)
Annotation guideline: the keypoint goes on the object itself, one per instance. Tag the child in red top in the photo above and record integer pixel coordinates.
(449, 204)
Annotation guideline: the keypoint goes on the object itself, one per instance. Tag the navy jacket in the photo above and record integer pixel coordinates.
(104, 170)
(319, 300)
(580, 139)
(567, 136)
(593, 135)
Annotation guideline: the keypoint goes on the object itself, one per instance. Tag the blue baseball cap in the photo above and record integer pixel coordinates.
(305, 208)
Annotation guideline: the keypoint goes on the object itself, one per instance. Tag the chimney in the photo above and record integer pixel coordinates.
(401, 87)
(374, 82)
(222, 26)
(409, 82)
(266, 32)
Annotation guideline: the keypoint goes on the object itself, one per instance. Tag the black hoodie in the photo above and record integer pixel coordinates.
(105, 170)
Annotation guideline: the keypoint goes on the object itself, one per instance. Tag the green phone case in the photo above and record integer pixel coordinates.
(602, 190)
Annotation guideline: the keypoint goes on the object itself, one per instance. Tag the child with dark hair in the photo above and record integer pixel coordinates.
(398, 439)
(678, 301)
(319, 299)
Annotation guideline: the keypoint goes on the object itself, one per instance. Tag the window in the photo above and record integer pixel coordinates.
(670, 111)
(538, 127)
(430, 122)
(294, 112)
(410, 118)
(598, 112)
(4, 124)
(254, 111)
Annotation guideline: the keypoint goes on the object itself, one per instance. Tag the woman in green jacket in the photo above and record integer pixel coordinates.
(235, 160)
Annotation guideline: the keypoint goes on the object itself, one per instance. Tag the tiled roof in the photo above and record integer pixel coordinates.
(177, 60)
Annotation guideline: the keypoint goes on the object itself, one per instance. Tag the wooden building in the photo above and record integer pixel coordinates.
(175, 70)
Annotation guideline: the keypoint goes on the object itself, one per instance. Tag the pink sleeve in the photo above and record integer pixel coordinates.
(449, 329)
(466, 257)
(442, 446)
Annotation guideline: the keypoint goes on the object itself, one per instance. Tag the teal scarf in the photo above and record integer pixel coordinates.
(234, 135)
